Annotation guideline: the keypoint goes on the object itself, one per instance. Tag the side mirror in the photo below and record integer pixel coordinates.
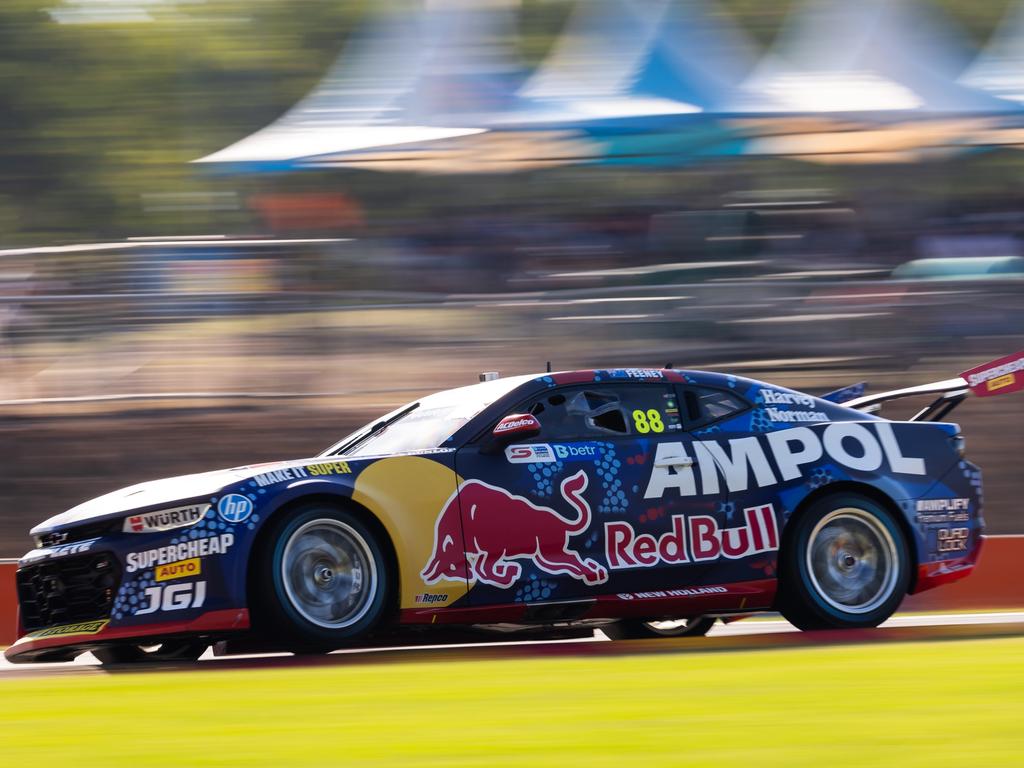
(516, 426)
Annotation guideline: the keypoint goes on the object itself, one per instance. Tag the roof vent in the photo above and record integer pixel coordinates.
(489, 375)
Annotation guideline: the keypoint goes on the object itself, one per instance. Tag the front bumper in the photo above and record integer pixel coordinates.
(125, 586)
(63, 643)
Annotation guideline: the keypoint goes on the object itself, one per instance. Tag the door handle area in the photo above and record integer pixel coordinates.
(674, 461)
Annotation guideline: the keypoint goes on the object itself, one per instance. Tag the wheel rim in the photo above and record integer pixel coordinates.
(852, 561)
(329, 573)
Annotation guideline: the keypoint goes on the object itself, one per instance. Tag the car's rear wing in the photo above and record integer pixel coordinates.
(998, 377)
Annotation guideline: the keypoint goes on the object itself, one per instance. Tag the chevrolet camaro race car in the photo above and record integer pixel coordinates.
(644, 501)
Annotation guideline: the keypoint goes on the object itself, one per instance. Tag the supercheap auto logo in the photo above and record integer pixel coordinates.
(177, 553)
(178, 570)
(998, 377)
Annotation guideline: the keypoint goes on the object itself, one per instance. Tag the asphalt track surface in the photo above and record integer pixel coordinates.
(746, 635)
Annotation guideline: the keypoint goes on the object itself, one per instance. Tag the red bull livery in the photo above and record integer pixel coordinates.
(618, 498)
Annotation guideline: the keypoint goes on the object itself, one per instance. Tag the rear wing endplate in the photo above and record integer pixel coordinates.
(998, 377)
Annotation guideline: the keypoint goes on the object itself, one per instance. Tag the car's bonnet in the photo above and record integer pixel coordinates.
(149, 495)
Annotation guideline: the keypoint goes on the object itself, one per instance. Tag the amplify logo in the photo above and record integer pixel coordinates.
(500, 528)
(692, 540)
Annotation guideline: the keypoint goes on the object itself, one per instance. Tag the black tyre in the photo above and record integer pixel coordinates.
(321, 579)
(174, 650)
(632, 629)
(845, 565)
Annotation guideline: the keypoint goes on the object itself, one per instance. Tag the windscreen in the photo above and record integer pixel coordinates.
(426, 423)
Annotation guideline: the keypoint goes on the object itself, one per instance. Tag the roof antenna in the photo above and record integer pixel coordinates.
(549, 366)
(668, 366)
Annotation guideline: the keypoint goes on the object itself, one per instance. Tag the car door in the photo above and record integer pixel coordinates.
(587, 506)
(729, 534)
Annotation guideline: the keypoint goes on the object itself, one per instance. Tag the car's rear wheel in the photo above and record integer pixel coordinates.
(632, 629)
(173, 650)
(846, 565)
(321, 579)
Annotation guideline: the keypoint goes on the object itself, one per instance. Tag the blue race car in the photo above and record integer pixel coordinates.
(643, 501)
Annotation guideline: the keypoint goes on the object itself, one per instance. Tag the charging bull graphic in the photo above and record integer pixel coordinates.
(501, 528)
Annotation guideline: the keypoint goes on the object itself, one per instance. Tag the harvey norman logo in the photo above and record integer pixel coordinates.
(860, 447)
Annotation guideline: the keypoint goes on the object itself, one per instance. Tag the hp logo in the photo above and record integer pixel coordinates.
(234, 508)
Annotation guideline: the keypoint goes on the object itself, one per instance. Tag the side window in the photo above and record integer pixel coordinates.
(706, 405)
(605, 411)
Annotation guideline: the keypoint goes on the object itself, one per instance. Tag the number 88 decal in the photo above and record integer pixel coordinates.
(648, 421)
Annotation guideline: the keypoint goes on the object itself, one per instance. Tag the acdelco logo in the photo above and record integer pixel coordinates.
(506, 426)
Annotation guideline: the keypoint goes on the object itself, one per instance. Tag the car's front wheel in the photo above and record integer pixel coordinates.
(632, 629)
(322, 578)
(846, 565)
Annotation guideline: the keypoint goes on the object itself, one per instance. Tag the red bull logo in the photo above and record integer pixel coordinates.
(501, 529)
(692, 539)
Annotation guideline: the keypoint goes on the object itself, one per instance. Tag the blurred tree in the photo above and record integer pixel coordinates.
(95, 117)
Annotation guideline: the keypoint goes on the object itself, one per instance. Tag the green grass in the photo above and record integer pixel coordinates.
(913, 704)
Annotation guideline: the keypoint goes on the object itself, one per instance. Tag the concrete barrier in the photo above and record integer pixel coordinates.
(8, 602)
(995, 583)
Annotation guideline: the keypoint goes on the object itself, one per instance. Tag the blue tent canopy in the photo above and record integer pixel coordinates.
(658, 82)
(999, 68)
(870, 57)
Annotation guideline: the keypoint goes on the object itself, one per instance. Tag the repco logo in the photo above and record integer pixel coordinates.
(859, 447)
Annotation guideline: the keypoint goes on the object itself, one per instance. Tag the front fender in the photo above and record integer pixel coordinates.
(405, 494)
